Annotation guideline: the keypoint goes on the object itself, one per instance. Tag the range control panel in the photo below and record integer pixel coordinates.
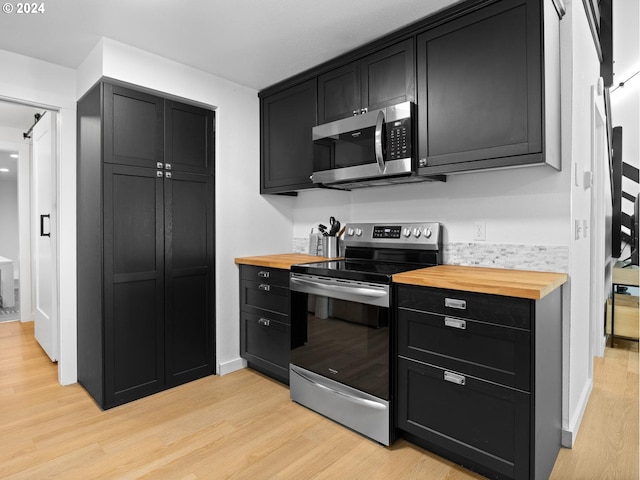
(424, 235)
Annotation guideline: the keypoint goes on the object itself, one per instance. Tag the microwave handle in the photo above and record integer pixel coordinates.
(378, 141)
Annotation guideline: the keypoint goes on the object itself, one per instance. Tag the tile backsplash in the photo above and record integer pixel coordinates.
(542, 258)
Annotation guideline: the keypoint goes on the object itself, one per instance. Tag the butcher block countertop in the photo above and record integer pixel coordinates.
(281, 260)
(495, 281)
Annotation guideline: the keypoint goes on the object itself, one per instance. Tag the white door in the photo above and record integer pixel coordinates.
(45, 235)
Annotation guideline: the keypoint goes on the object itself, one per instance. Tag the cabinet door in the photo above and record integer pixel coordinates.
(133, 283)
(266, 344)
(133, 127)
(287, 118)
(388, 76)
(189, 301)
(189, 138)
(465, 418)
(479, 89)
(339, 93)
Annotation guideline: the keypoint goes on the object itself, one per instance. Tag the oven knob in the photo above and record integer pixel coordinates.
(358, 232)
(416, 232)
(407, 232)
(350, 232)
(427, 232)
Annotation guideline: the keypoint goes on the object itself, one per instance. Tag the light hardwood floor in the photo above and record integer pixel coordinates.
(243, 425)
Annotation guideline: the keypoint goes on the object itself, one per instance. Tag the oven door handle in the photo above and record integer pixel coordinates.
(351, 398)
(364, 291)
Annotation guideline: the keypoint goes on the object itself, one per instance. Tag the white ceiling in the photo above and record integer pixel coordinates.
(251, 42)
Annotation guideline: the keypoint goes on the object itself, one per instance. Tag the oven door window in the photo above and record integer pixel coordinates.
(343, 340)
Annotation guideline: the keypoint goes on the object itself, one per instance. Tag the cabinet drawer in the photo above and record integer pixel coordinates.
(265, 275)
(265, 343)
(483, 422)
(492, 352)
(509, 311)
(262, 298)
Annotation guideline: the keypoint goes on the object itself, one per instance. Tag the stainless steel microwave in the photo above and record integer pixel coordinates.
(373, 148)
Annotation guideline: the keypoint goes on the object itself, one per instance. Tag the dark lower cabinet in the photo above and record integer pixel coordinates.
(145, 263)
(265, 332)
(479, 379)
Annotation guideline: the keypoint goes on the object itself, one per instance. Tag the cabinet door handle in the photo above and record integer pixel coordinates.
(264, 287)
(159, 174)
(264, 322)
(159, 165)
(168, 166)
(455, 323)
(263, 274)
(455, 303)
(167, 174)
(454, 378)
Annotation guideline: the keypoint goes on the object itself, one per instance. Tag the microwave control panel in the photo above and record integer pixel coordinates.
(399, 139)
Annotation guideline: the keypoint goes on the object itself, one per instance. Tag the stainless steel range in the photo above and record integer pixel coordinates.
(340, 323)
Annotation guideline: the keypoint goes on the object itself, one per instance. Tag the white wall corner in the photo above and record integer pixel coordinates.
(90, 70)
(231, 366)
(570, 432)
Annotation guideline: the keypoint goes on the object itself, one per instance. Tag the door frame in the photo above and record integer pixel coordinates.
(600, 269)
(25, 205)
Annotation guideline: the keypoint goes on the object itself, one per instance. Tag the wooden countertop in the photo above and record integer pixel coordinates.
(495, 281)
(282, 260)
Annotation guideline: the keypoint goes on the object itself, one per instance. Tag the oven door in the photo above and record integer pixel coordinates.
(340, 330)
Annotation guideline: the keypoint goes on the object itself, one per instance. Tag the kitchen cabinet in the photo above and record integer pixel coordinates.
(480, 82)
(145, 244)
(287, 118)
(265, 334)
(383, 78)
(479, 378)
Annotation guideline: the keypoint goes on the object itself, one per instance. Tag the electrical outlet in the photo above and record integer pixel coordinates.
(479, 231)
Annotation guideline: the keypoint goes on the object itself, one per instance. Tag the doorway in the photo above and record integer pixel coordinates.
(24, 136)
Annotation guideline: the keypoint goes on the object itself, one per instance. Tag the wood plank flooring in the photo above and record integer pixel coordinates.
(243, 425)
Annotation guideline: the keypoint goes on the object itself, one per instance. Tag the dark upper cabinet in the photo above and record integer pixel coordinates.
(479, 80)
(188, 143)
(383, 78)
(287, 118)
(134, 127)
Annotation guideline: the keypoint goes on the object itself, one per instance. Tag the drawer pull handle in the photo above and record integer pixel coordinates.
(263, 274)
(455, 323)
(455, 303)
(264, 321)
(264, 287)
(454, 378)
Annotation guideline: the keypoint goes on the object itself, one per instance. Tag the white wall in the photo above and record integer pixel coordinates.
(246, 223)
(54, 87)
(580, 71)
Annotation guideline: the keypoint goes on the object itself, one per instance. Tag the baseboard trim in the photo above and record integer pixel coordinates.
(231, 366)
(570, 433)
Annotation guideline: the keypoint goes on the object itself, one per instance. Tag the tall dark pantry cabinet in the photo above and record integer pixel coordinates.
(145, 243)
